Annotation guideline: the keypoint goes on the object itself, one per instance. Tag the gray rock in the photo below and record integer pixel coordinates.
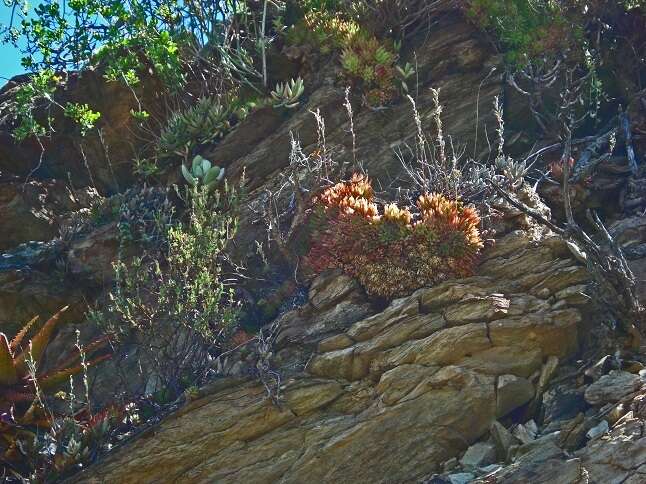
(489, 470)
(478, 455)
(598, 431)
(612, 387)
(602, 367)
(525, 433)
(461, 478)
(562, 402)
(503, 439)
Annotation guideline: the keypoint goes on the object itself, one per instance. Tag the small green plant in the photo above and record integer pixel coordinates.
(39, 88)
(203, 173)
(140, 115)
(287, 94)
(82, 115)
(145, 167)
(404, 73)
(322, 29)
(368, 61)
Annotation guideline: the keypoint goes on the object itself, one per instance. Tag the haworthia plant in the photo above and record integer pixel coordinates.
(287, 95)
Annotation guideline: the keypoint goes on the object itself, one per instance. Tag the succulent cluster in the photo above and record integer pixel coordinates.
(365, 59)
(202, 172)
(287, 94)
(323, 31)
(513, 171)
(206, 121)
(24, 387)
(368, 60)
(392, 251)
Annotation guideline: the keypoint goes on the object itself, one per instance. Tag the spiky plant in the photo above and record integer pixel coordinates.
(202, 172)
(206, 121)
(287, 94)
(23, 384)
(513, 171)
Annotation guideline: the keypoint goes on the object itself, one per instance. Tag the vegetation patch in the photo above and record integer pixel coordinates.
(392, 251)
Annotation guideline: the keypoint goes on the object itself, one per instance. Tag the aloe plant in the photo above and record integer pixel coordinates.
(203, 172)
(18, 360)
(287, 94)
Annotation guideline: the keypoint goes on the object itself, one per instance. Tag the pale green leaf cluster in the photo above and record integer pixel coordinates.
(202, 172)
(288, 94)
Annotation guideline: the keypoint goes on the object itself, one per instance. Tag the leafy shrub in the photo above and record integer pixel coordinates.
(82, 115)
(391, 250)
(173, 303)
(526, 29)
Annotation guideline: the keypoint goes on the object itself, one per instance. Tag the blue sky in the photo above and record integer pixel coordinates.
(9, 56)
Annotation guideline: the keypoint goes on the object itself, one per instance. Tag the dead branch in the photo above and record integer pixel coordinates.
(628, 137)
(305, 175)
(614, 282)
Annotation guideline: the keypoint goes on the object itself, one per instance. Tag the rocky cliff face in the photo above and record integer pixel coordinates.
(367, 393)
(454, 59)
(384, 397)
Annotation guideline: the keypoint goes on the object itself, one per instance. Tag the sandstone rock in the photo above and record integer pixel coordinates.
(612, 387)
(501, 360)
(512, 392)
(27, 292)
(403, 371)
(451, 292)
(573, 433)
(477, 310)
(328, 289)
(574, 295)
(554, 332)
(36, 210)
(104, 162)
(338, 342)
(547, 371)
(93, 256)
